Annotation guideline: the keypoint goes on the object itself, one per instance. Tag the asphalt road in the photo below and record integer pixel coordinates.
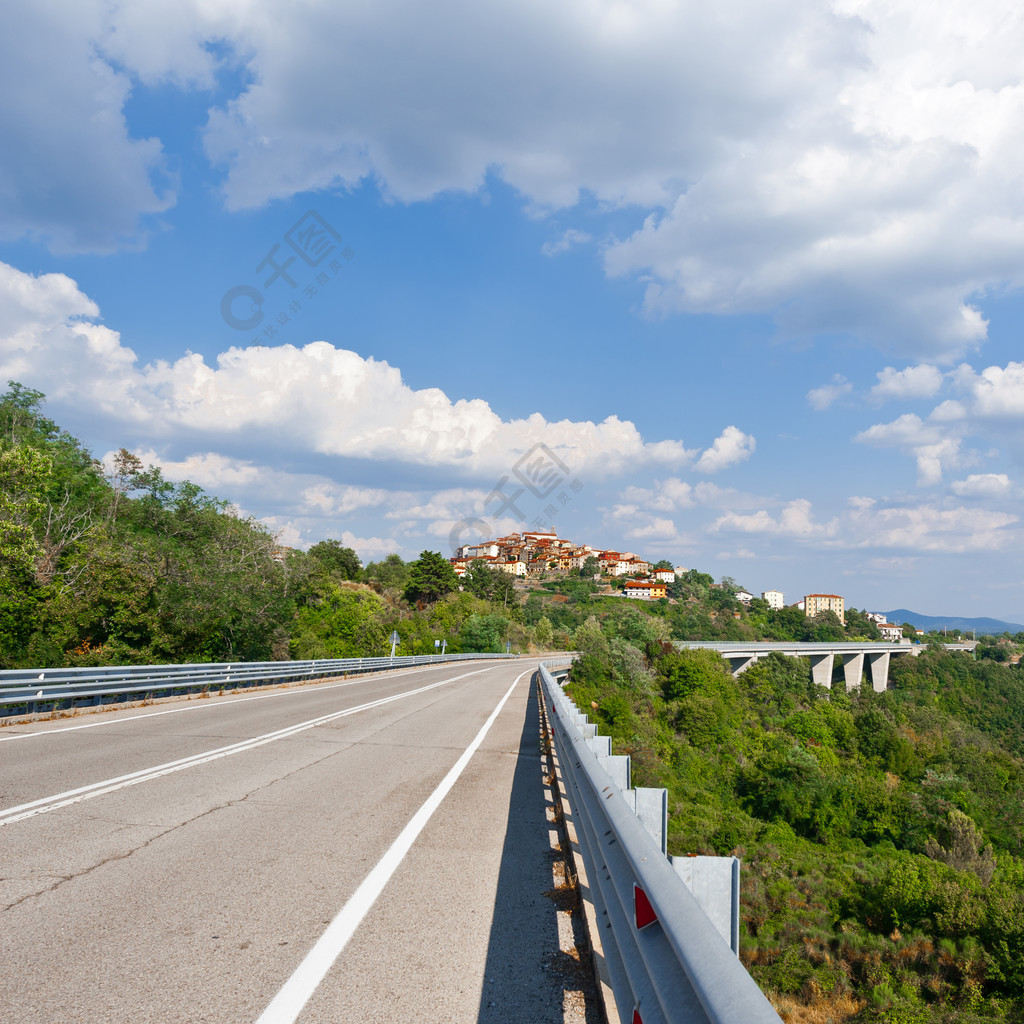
(376, 849)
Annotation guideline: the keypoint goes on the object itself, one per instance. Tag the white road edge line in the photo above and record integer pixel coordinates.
(286, 1006)
(10, 815)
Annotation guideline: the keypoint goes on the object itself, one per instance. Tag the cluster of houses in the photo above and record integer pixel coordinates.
(532, 553)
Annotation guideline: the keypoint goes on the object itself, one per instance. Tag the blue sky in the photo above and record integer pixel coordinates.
(752, 273)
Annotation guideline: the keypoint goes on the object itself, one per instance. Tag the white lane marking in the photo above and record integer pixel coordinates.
(286, 1006)
(173, 711)
(73, 796)
(204, 706)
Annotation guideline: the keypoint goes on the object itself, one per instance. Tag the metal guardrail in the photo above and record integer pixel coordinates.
(53, 688)
(664, 957)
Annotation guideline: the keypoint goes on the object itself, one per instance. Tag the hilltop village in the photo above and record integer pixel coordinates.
(538, 554)
(532, 554)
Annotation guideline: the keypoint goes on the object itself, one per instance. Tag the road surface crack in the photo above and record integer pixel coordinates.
(113, 858)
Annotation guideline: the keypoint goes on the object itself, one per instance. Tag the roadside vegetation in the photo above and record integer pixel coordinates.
(880, 834)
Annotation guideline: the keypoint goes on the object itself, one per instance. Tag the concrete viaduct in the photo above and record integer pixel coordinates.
(877, 655)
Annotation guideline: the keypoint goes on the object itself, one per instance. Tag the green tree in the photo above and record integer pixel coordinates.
(588, 638)
(859, 626)
(963, 850)
(483, 633)
(489, 582)
(392, 574)
(23, 477)
(345, 623)
(683, 672)
(340, 561)
(542, 633)
(431, 576)
(825, 627)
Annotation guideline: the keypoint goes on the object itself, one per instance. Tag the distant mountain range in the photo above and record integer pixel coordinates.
(928, 622)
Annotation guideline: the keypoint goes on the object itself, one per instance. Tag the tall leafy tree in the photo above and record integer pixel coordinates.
(431, 576)
(340, 561)
(490, 583)
(344, 623)
(392, 573)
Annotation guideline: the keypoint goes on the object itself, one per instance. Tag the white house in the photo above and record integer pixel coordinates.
(774, 598)
(515, 567)
(644, 590)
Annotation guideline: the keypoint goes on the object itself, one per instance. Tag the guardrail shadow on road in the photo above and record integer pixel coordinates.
(537, 964)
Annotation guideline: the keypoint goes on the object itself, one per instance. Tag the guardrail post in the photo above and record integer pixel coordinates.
(651, 806)
(715, 884)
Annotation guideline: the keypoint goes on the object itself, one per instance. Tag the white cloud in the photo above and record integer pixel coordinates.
(713, 496)
(71, 172)
(867, 524)
(468, 529)
(806, 197)
(741, 552)
(656, 529)
(451, 505)
(312, 507)
(796, 520)
(209, 470)
(822, 397)
(852, 167)
(982, 485)
(908, 429)
(989, 408)
(930, 528)
(569, 240)
(293, 535)
(996, 393)
(932, 444)
(730, 447)
(913, 382)
(665, 496)
(673, 494)
(317, 398)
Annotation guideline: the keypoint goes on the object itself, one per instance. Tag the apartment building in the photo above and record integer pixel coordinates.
(814, 604)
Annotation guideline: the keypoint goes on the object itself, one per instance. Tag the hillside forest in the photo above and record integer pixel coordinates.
(880, 833)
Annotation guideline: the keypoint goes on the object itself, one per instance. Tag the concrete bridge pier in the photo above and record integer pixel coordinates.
(821, 669)
(738, 663)
(853, 670)
(879, 664)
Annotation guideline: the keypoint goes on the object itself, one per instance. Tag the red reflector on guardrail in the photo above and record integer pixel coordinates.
(645, 914)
